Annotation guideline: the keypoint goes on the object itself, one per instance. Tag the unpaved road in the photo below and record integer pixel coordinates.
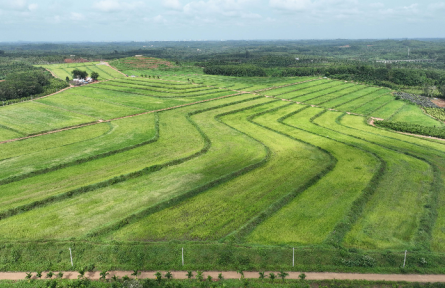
(251, 275)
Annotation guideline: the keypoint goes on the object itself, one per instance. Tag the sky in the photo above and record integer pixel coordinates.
(138, 20)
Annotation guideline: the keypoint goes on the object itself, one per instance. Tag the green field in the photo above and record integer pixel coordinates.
(64, 70)
(214, 165)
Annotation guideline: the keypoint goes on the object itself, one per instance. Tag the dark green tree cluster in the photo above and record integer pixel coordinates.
(79, 74)
(412, 128)
(23, 84)
(383, 76)
(235, 70)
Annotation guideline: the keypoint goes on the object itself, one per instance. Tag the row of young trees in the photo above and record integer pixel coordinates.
(412, 128)
(235, 70)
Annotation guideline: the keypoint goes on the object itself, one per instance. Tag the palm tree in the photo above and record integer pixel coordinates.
(81, 273)
(283, 275)
(39, 274)
(135, 273)
(189, 275)
(49, 275)
(199, 276)
(272, 276)
(60, 275)
(220, 277)
(209, 278)
(168, 275)
(262, 276)
(28, 275)
(158, 277)
(302, 276)
(115, 278)
(241, 272)
(103, 274)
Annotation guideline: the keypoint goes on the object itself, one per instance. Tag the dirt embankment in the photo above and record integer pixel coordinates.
(439, 102)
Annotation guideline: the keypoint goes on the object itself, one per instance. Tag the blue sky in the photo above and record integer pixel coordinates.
(137, 20)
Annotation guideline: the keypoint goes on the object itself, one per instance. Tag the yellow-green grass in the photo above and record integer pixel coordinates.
(431, 150)
(351, 106)
(145, 102)
(300, 95)
(161, 91)
(348, 89)
(413, 114)
(404, 189)
(225, 208)
(348, 97)
(7, 134)
(375, 104)
(230, 151)
(388, 110)
(327, 94)
(32, 117)
(291, 88)
(52, 150)
(178, 138)
(157, 85)
(76, 100)
(64, 70)
(312, 215)
(145, 92)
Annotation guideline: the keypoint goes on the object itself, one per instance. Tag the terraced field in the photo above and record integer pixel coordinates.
(275, 162)
(64, 70)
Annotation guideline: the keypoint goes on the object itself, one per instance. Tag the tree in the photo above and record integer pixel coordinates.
(272, 276)
(441, 89)
(67, 79)
(79, 74)
(158, 276)
(28, 275)
(302, 276)
(103, 274)
(199, 276)
(60, 275)
(39, 274)
(283, 275)
(135, 271)
(262, 276)
(81, 273)
(2, 52)
(49, 275)
(189, 275)
(94, 76)
(168, 275)
(220, 277)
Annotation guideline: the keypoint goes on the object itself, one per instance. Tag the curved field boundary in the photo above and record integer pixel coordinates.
(344, 225)
(356, 98)
(193, 192)
(84, 160)
(163, 97)
(425, 227)
(101, 121)
(134, 86)
(310, 92)
(148, 84)
(332, 92)
(286, 85)
(280, 203)
(360, 89)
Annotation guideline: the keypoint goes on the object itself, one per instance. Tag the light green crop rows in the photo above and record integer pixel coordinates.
(207, 167)
(64, 70)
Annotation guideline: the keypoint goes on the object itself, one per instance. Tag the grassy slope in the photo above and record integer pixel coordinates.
(34, 117)
(73, 145)
(80, 215)
(405, 183)
(234, 203)
(330, 198)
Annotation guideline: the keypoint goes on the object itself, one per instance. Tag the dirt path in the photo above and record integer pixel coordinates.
(250, 275)
(102, 121)
(108, 64)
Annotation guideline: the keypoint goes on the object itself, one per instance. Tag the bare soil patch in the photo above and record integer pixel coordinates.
(439, 102)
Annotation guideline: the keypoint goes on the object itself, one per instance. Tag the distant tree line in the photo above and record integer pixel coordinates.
(235, 70)
(408, 77)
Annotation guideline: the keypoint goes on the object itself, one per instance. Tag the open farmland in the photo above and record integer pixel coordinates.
(236, 170)
(64, 70)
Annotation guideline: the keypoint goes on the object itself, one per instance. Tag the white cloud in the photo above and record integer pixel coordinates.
(159, 19)
(33, 7)
(76, 16)
(116, 5)
(292, 5)
(172, 4)
(19, 5)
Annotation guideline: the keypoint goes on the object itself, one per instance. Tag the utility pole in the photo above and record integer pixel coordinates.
(182, 256)
(293, 257)
(408, 52)
(71, 256)
(404, 260)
